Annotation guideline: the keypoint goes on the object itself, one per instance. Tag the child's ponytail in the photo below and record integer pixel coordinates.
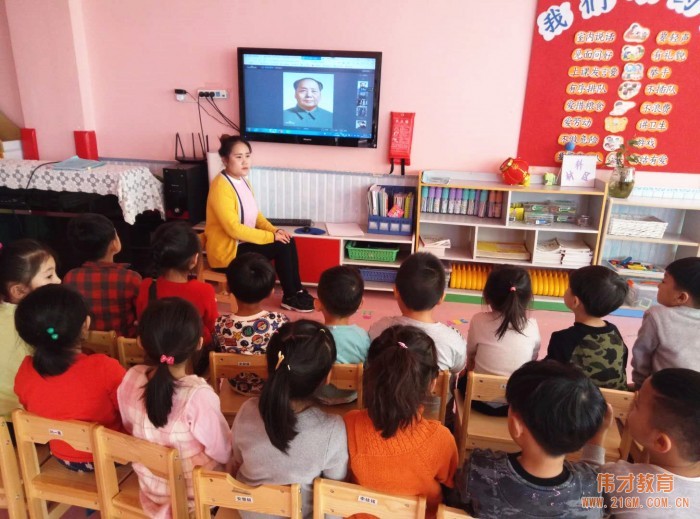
(50, 319)
(299, 357)
(508, 291)
(401, 365)
(170, 330)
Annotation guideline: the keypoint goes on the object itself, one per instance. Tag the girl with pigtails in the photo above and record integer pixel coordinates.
(392, 447)
(161, 403)
(282, 437)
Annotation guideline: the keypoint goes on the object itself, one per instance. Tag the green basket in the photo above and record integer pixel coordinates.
(370, 252)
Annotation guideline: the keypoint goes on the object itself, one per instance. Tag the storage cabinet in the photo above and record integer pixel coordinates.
(466, 232)
(681, 239)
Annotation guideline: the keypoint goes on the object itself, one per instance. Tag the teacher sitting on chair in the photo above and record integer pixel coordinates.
(235, 225)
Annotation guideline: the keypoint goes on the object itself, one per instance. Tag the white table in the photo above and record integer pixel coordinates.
(136, 189)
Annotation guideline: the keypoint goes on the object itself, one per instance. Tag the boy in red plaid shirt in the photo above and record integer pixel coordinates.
(109, 288)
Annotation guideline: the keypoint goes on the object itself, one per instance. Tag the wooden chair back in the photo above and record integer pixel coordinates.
(476, 430)
(11, 491)
(347, 377)
(223, 366)
(618, 441)
(218, 279)
(442, 391)
(102, 342)
(120, 498)
(446, 512)
(220, 489)
(51, 481)
(345, 499)
(130, 353)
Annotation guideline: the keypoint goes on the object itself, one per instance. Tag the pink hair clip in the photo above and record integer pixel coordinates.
(403, 345)
(512, 289)
(167, 359)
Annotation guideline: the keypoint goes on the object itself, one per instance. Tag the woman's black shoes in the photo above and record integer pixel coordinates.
(302, 301)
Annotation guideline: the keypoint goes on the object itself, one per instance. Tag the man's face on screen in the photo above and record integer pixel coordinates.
(308, 94)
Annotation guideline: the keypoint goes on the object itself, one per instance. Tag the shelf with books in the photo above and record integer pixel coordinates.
(469, 232)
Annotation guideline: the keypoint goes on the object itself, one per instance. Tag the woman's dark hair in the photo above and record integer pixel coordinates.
(299, 357)
(173, 245)
(228, 142)
(169, 328)
(20, 261)
(560, 406)
(508, 291)
(401, 364)
(50, 319)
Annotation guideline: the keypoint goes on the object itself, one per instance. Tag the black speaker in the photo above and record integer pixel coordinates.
(186, 188)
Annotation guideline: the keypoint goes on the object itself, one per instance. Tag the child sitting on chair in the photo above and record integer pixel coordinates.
(250, 279)
(669, 330)
(592, 343)
(554, 410)
(340, 292)
(420, 287)
(109, 288)
(665, 421)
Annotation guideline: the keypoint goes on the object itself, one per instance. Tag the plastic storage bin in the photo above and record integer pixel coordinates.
(371, 252)
(379, 275)
(389, 225)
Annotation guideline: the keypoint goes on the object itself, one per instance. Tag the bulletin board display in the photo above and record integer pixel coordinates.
(603, 72)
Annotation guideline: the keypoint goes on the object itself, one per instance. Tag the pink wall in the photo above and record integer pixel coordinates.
(9, 91)
(461, 65)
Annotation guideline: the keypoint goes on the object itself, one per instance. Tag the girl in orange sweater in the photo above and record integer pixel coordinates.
(392, 447)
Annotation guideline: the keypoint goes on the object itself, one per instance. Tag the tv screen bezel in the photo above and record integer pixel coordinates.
(353, 142)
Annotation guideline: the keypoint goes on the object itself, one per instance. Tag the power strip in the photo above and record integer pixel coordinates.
(214, 94)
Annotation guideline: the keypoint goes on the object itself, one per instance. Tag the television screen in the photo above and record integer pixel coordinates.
(309, 96)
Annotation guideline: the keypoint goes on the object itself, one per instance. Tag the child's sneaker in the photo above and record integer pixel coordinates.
(298, 303)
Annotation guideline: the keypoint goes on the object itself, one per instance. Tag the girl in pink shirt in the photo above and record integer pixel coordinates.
(161, 403)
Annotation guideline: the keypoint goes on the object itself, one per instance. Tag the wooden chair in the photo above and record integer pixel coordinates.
(220, 489)
(618, 440)
(130, 353)
(348, 377)
(102, 342)
(442, 391)
(51, 481)
(11, 491)
(477, 430)
(218, 279)
(345, 499)
(223, 366)
(120, 497)
(446, 512)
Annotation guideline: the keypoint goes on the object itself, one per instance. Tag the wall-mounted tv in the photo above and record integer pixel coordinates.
(326, 97)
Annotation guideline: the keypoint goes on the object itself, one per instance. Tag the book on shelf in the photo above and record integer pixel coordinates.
(502, 250)
(381, 203)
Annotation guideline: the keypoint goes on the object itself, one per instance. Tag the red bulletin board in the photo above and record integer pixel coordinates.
(607, 55)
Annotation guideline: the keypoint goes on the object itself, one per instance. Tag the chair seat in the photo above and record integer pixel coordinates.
(489, 432)
(231, 401)
(51, 484)
(128, 499)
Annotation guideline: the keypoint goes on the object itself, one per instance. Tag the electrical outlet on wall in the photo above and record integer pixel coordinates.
(214, 94)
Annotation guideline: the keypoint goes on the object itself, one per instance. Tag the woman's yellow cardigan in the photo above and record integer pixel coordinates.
(223, 227)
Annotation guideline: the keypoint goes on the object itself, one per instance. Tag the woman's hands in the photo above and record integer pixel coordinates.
(282, 236)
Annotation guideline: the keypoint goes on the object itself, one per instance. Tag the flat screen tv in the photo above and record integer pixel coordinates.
(326, 97)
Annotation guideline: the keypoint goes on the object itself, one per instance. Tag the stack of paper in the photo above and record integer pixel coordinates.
(548, 252)
(435, 245)
(576, 253)
(502, 250)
